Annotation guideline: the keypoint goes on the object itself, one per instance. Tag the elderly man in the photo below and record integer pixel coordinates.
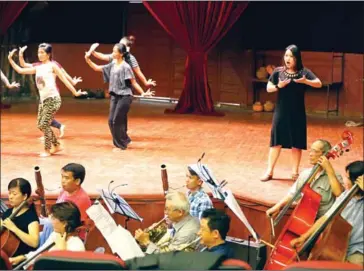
(199, 200)
(183, 232)
(327, 183)
(352, 213)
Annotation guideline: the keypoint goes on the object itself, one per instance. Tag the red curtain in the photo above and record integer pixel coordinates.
(9, 11)
(197, 27)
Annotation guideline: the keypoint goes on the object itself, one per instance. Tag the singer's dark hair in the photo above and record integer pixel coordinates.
(24, 187)
(78, 171)
(67, 212)
(217, 220)
(296, 52)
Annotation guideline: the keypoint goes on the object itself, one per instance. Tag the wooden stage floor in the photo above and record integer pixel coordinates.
(236, 148)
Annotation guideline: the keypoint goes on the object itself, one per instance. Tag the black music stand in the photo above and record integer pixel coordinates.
(3, 207)
(117, 204)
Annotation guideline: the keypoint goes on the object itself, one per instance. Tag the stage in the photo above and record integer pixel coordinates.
(235, 147)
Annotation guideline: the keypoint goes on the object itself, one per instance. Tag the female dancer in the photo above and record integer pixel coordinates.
(121, 79)
(289, 120)
(50, 100)
(25, 225)
(130, 59)
(73, 81)
(66, 218)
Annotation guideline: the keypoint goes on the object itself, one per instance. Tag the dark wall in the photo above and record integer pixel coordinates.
(74, 22)
(313, 26)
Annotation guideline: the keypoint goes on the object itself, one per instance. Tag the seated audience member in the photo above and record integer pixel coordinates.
(214, 226)
(199, 200)
(65, 218)
(184, 226)
(353, 213)
(73, 176)
(25, 225)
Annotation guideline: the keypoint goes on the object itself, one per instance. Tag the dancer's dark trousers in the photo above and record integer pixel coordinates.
(56, 124)
(118, 119)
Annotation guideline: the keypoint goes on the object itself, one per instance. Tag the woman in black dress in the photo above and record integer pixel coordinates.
(289, 120)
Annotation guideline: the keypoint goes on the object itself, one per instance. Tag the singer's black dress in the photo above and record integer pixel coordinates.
(289, 127)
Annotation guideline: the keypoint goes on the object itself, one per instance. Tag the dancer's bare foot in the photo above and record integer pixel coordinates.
(56, 149)
(46, 153)
(61, 131)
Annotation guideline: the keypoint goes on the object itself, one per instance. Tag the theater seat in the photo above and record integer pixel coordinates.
(4, 261)
(234, 264)
(323, 265)
(75, 260)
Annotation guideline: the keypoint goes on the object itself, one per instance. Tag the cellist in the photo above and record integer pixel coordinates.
(25, 225)
(353, 213)
(327, 183)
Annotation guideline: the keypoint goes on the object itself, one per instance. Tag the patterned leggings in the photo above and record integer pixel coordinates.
(46, 112)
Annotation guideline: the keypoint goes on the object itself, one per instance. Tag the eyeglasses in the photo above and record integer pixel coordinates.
(315, 151)
(166, 209)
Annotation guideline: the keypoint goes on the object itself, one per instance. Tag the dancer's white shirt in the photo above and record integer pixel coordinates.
(46, 80)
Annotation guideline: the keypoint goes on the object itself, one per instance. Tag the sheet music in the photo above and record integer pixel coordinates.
(103, 220)
(123, 243)
(119, 239)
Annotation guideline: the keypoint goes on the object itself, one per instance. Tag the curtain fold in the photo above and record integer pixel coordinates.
(9, 11)
(197, 27)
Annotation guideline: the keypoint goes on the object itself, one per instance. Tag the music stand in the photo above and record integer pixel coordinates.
(226, 196)
(117, 204)
(3, 207)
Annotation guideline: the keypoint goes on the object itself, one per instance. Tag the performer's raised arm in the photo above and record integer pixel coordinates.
(17, 68)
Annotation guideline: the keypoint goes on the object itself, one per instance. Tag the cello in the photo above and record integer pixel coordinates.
(304, 215)
(335, 231)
